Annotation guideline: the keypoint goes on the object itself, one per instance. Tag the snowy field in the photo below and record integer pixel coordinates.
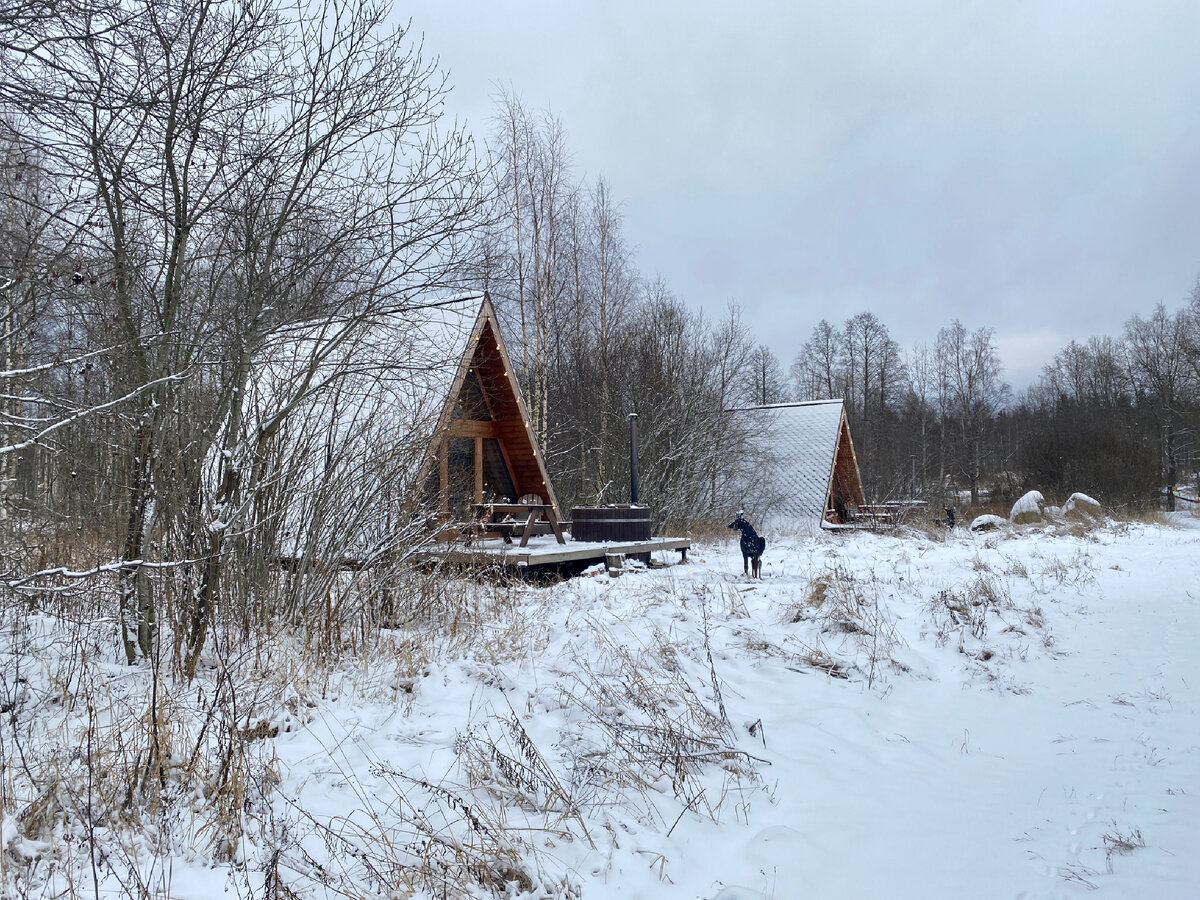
(1011, 714)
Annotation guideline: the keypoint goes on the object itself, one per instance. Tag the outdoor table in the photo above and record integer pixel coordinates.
(533, 513)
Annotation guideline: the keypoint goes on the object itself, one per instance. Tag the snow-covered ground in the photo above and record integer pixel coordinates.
(1012, 714)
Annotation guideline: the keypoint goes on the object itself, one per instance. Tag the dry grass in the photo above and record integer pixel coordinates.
(402, 836)
(969, 607)
(849, 609)
(712, 531)
(123, 753)
(1144, 514)
(1015, 568)
(1117, 843)
(171, 765)
(109, 769)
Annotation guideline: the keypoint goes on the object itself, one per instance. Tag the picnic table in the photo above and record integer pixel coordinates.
(524, 519)
(882, 515)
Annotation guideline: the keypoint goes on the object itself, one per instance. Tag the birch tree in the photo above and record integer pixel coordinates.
(975, 392)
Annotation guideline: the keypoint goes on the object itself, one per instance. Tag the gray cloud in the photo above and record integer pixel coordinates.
(1028, 166)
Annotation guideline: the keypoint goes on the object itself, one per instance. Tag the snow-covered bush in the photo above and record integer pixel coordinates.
(1082, 506)
(1028, 509)
(988, 522)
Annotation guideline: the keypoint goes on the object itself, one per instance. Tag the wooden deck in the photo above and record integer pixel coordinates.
(546, 552)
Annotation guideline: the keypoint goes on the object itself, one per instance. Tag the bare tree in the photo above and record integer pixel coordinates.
(672, 355)
(873, 373)
(975, 392)
(49, 356)
(613, 295)
(243, 168)
(922, 406)
(765, 374)
(815, 370)
(1190, 321)
(732, 351)
(535, 182)
(1162, 378)
(1079, 428)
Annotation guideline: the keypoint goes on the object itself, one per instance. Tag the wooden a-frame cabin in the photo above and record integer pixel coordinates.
(483, 448)
(413, 415)
(411, 420)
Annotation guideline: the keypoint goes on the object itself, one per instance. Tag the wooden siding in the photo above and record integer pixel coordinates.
(510, 424)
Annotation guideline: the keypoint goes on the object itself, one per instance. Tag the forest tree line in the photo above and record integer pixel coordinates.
(1114, 417)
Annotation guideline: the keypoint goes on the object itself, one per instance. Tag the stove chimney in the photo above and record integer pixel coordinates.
(633, 459)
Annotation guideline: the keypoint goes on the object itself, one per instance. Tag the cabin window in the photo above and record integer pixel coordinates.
(472, 404)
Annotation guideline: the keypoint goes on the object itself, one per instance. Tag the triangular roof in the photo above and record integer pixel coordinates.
(808, 467)
(357, 381)
(484, 357)
(372, 403)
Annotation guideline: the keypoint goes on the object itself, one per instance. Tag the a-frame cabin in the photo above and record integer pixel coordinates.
(808, 472)
(409, 415)
(407, 421)
(484, 448)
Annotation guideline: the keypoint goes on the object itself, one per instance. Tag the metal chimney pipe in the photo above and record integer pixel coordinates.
(633, 456)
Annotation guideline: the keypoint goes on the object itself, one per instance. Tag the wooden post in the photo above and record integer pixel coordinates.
(477, 494)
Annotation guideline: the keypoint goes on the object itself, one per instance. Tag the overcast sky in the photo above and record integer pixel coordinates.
(1029, 166)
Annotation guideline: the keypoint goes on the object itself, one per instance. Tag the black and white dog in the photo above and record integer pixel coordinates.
(752, 546)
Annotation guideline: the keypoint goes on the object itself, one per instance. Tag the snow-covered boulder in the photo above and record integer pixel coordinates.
(988, 523)
(1081, 506)
(1028, 509)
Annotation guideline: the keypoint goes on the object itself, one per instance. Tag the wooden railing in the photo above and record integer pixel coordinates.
(883, 515)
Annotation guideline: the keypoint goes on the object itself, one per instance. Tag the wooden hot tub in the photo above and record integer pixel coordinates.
(610, 523)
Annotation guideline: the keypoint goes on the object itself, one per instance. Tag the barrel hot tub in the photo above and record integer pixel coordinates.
(610, 523)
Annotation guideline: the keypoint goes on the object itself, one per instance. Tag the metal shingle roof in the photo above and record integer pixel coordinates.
(360, 402)
(797, 443)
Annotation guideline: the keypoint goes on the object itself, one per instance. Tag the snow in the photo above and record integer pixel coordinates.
(1028, 508)
(1014, 706)
(988, 522)
(1082, 503)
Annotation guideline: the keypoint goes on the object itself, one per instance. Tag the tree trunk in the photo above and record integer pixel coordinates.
(136, 590)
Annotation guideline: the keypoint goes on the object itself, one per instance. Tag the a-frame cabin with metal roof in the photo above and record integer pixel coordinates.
(483, 449)
(807, 473)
